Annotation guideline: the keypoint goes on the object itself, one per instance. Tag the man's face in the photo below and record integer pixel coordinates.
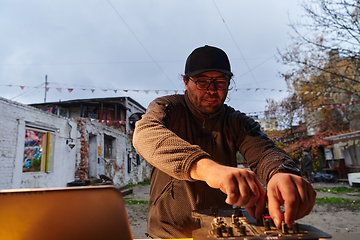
(210, 100)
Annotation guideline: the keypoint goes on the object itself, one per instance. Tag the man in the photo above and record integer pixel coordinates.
(307, 166)
(192, 139)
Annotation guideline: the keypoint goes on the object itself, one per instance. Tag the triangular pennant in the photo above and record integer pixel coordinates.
(59, 89)
(104, 90)
(70, 90)
(125, 90)
(92, 90)
(146, 91)
(157, 91)
(47, 89)
(115, 91)
(22, 87)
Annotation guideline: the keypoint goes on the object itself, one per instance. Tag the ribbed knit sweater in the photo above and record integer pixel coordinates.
(172, 135)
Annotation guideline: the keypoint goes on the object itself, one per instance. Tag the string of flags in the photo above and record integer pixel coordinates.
(309, 109)
(70, 90)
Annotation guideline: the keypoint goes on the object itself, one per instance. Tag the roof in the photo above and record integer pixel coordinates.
(344, 137)
(91, 101)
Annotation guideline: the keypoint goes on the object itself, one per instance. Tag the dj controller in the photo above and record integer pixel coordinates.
(238, 224)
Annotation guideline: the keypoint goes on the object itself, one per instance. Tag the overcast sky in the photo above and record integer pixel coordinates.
(138, 48)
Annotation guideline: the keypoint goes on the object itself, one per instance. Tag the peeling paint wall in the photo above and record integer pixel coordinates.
(83, 162)
(115, 166)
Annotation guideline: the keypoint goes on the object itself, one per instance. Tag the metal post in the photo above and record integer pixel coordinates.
(46, 83)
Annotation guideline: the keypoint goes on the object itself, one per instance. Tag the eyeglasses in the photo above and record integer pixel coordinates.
(203, 83)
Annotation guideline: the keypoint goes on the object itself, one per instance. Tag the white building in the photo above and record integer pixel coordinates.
(39, 149)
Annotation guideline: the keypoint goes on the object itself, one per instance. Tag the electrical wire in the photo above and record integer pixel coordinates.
(238, 48)
(142, 45)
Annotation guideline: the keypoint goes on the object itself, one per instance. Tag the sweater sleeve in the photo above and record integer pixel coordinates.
(260, 151)
(161, 147)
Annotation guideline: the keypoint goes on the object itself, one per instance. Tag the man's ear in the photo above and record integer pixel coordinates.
(186, 82)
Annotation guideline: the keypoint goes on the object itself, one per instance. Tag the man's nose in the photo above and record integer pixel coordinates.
(212, 86)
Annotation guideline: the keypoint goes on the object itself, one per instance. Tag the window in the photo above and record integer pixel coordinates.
(38, 150)
(109, 149)
(138, 159)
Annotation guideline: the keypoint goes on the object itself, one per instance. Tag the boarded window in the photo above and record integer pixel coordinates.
(38, 150)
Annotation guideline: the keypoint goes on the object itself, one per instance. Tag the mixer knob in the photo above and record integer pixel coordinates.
(219, 232)
(296, 229)
(267, 225)
(238, 212)
(284, 228)
(230, 232)
(242, 230)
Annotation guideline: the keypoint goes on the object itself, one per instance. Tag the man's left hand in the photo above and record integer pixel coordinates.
(295, 193)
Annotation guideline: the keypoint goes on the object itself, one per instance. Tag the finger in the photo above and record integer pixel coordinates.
(274, 202)
(257, 204)
(245, 193)
(231, 189)
(311, 197)
(249, 190)
(261, 204)
(303, 205)
(291, 203)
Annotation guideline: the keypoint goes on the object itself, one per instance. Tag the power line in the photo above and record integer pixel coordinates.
(242, 56)
(118, 14)
(28, 92)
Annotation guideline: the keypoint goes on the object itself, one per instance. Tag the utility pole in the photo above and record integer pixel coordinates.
(46, 83)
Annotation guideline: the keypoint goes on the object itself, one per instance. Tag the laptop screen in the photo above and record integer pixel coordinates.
(94, 212)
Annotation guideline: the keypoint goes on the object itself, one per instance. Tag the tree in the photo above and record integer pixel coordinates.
(324, 60)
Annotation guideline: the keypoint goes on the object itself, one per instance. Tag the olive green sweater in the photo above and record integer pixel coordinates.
(172, 135)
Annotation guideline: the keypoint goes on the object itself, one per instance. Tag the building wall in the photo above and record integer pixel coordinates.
(14, 118)
(125, 166)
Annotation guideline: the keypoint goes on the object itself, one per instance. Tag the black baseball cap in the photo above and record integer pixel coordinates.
(205, 59)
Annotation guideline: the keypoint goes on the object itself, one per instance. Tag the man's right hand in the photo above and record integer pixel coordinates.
(241, 186)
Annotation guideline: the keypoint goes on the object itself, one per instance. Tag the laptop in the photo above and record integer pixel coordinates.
(88, 212)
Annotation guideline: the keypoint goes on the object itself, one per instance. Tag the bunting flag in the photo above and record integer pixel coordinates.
(137, 90)
(167, 91)
(310, 109)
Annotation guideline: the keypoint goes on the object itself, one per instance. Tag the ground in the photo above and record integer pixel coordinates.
(330, 218)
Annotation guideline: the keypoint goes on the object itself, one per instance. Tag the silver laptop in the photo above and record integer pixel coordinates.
(94, 212)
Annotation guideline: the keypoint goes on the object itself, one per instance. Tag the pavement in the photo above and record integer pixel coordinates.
(140, 192)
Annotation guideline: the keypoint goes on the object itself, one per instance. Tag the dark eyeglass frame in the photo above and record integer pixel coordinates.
(211, 80)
